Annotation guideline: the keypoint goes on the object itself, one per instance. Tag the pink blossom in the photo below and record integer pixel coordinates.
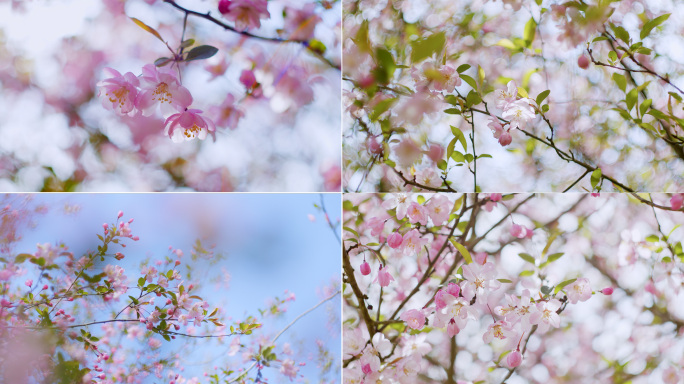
(248, 79)
(546, 315)
(289, 369)
(519, 112)
(500, 330)
(479, 280)
(452, 328)
(191, 123)
(521, 231)
(246, 14)
(394, 240)
(414, 318)
(514, 359)
(398, 201)
(607, 291)
(452, 289)
(435, 152)
(413, 242)
(439, 208)
(161, 88)
(677, 201)
(579, 290)
(429, 177)
(384, 278)
(227, 114)
(301, 23)
(417, 213)
(365, 268)
(28, 283)
(119, 92)
(505, 97)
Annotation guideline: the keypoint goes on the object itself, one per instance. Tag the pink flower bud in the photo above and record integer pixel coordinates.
(45, 287)
(248, 79)
(120, 214)
(514, 359)
(505, 139)
(224, 6)
(677, 201)
(29, 283)
(105, 226)
(607, 291)
(583, 62)
(394, 240)
(436, 152)
(374, 146)
(135, 238)
(365, 268)
(177, 263)
(495, 197)
(119, 256)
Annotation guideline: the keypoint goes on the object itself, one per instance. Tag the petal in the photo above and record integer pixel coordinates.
(181, 97)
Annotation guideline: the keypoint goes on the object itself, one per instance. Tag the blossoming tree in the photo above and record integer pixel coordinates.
(109, 315)
(154, 95)
(492, 95)
(491, 288)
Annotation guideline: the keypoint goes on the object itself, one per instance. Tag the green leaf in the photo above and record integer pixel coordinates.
(473, 98)
(620, 81)
(381, 107)
(361, 39)
(530, 30)
(652, 239)
(469, 80)
(621, 33)
(458, 134)
(147, 28)
(462, 68)
(612, 56)
(22, 257)
(527, 257)
(426, 47)
(464, 252)
(420, 199)
(352, 231)
(563, 285)
(480, 74)
(187, 43)
(631, 99)
(526, 273)
(162, 61)
(644, 106)
(542, 96)
(596, 178)
(649, 25)
(504, 281)
(201, 52)
(506, 44)
(452, 111)
(555, 256)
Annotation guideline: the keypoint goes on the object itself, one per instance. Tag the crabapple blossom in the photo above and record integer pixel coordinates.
(119, 92)
(417, 213)
(384, 278)
(607, 291)
(439, 208)
(414, 318)
(246, 14)
(160, 88)
(479, 280)
(519, 112)
(677, 201)
(187, 125)
(579, 290)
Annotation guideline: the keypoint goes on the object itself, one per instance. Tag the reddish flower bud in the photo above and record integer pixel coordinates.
(224, 6)
(607, 291)
(365, 268)
(583, 62)
(120, 214)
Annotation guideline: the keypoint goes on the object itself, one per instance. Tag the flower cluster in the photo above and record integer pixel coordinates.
(518, 111)
(160, 89)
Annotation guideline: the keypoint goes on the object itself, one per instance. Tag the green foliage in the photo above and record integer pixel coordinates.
(649, 25)
(423, 48)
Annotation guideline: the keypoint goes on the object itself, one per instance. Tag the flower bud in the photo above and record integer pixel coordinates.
(224, 6)
(514, 359)
(394, 240)
(607, 291)
(583, 62)
(365, 268)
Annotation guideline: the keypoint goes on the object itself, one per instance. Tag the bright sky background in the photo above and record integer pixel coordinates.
(268, 240)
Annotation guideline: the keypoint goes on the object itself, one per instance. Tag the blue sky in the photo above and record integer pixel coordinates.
(269, 243)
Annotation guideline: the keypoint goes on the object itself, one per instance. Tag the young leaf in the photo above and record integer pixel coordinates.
(527, 257)
(542, 96)
(596, 178)
(620, 81)
(147, 28)
(648, 27)
(201, 52)
(530, 29)
(424, 48)
(464, 252)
